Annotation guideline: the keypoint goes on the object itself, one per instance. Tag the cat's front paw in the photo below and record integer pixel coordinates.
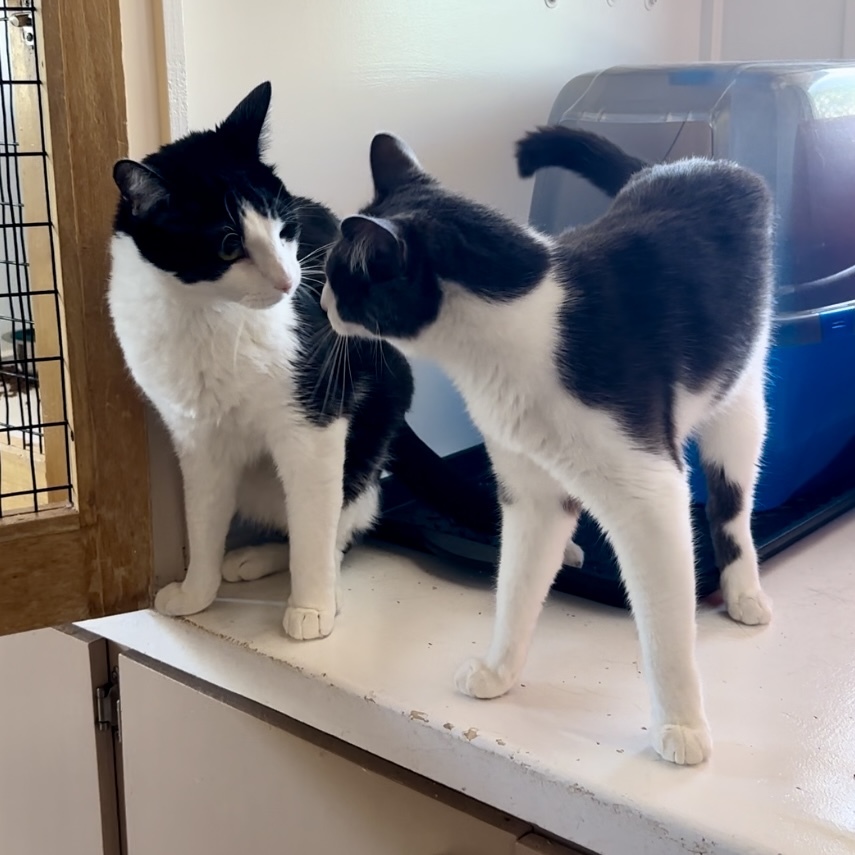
(574, 556)
(175, 600)
(307, 624)
(753, 608)
(475, 679)
(682, 744)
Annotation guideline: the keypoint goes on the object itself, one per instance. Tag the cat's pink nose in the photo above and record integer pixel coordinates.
(283, 285)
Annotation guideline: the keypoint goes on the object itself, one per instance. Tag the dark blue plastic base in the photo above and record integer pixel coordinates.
(410, 523)
(811, 403)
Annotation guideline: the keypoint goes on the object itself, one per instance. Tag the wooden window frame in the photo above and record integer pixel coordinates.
(95, 558)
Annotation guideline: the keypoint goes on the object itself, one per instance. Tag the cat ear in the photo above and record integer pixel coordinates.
(375, 242)
(393, 163)
(245, 124)
(141, 186)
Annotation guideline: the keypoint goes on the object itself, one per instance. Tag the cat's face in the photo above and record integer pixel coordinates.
(381, 280)
(388, 275)
(207, 210)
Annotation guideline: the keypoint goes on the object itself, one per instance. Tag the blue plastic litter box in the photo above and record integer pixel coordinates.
(794, 124)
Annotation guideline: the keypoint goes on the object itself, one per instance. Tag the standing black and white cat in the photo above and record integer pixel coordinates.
(215, 300)
(587, 361)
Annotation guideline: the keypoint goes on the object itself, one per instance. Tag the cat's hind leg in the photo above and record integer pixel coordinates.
(730, 444)
(643, 506)
(260, 500)
(358, 516)
(537, 524)
(255, 562)
(574, 555)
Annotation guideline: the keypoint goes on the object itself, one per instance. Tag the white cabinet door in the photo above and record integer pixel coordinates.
(57, 778)
(202, 776)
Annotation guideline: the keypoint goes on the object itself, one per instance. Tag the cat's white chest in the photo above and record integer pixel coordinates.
(507, 377)
(199, 363)
(515, 408)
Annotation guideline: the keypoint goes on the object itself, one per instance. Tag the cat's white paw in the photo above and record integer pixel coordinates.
(307, 624)
(255, 562)
(683, 745)
(475, 679)
(175, 600)
(752, 608)
(574, 556)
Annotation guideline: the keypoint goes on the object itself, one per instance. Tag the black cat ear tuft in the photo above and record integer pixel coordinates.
(141, 186)
(245, 124)
(393, 163)
(375, 242)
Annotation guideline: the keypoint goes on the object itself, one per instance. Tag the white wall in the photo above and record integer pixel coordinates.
(140, 64)
(459, 79)
(786, 29)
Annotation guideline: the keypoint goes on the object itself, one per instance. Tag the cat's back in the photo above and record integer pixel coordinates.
(679, 234)
(671, 288)
(705, 193)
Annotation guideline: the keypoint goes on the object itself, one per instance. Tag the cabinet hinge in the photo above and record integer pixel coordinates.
(108, 706)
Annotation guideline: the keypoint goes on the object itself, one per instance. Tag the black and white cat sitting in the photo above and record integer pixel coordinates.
(215, 296)
(587, 361)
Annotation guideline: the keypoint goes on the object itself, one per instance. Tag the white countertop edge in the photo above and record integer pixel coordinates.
(477, 767)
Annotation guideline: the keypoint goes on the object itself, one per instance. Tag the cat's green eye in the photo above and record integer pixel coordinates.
(231, 248)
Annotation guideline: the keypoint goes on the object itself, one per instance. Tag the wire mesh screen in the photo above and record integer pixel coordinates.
(35, 464)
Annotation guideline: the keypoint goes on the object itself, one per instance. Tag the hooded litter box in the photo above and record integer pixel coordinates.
(794, 124)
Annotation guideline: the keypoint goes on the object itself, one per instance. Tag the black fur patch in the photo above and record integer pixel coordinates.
(724, 504)
(669, 289)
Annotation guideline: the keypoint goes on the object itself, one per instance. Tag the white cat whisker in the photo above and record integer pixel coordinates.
(319, 340)
(318, 251)
(229, 213)
(333, 373)
(326, 366)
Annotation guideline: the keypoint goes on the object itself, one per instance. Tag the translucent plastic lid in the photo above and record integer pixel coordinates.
(793, 123)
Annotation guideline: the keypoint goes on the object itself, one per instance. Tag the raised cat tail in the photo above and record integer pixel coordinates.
(593, 157)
